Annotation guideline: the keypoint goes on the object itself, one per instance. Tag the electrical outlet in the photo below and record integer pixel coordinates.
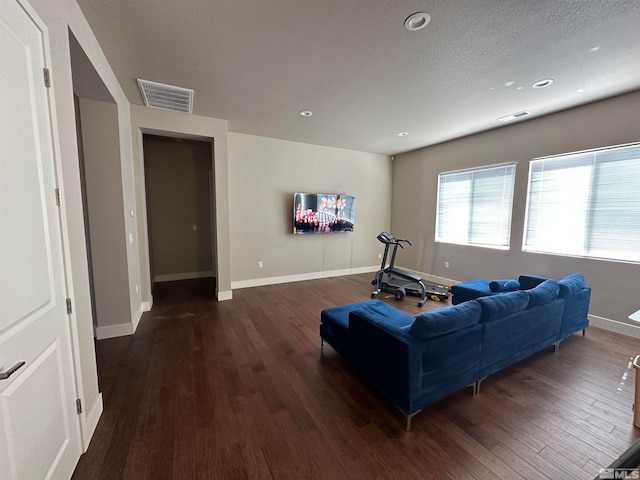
(379, 256)
(259, 263)
(446, 264)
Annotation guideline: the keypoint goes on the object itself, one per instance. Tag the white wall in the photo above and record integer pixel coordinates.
(264, 174)
(415, 179)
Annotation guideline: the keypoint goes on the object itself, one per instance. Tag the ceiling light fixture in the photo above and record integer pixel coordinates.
(514, 116)
(580, 90)
(403, 134)
(594, 49)
(306, 113)
(542, 83)
(417, 21)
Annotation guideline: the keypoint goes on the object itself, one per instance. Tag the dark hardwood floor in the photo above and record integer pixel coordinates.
(241, 389)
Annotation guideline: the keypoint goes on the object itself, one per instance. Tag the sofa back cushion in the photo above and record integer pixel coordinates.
(543, 293)
(445, 320)
(503, 304)
(571, 284)
(506, 285)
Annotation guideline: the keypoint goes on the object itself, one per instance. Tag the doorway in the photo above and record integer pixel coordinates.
(101, 186)
(179, 197)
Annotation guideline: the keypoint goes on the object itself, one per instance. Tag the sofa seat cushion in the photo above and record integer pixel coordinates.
(571, 284)
(503, 304)
(338, 317)
(445, 320)
(543, 293)
(506, 285)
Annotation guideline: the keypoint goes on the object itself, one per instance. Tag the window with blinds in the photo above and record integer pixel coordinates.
(474, 206)
(585, 204)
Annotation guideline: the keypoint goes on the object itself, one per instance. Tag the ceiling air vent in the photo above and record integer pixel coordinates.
(514, 116)
(167, 97)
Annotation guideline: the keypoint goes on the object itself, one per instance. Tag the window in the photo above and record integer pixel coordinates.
(585, 204)
(474, 206)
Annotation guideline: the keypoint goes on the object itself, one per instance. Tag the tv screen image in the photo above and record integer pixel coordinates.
(323, 213)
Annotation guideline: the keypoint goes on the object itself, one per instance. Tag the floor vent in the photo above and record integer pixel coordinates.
(167, 97)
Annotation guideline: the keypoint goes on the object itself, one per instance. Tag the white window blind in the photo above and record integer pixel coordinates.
(474, 206)
(585, 204)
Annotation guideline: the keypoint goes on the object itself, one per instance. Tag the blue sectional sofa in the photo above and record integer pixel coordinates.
(416, 361)
(573, 289)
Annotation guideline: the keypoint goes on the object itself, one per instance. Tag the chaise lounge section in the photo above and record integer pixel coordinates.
(416, 361)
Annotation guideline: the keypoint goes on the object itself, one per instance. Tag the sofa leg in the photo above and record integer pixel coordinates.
(321, 343)
(476, 386)
(584, 332)
(408, 420)
(556, 346)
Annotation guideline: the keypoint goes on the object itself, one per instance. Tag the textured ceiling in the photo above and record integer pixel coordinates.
(257, 63)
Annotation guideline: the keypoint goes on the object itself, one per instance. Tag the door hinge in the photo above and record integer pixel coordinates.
(58, 197)
(69, 308)
(47, 77)
(79, 406)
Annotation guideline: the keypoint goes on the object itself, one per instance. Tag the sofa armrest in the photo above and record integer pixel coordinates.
(389, 358)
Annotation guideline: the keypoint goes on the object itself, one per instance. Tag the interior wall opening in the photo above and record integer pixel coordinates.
(93, 101)
(179, 190)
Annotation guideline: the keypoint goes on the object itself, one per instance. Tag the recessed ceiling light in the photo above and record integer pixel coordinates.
(417, 21)
(519, 88)
(403, 134)
(306, 113)
(580, 90)
(594, 49)
(508, 84)
(542, 83)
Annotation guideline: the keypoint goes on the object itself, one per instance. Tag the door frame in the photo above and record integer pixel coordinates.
(84, 434)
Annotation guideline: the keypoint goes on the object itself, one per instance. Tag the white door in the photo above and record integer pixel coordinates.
(39, 430)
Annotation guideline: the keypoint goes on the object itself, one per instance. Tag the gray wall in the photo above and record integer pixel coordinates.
(616, 285)
(101, 145)
(263, 176)
(177, 176)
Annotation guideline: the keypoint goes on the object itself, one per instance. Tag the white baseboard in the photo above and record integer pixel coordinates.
(172, 277)
(257, 282)
(91, 422)
(137, 318)
(224, 295)
(615, 326)
(146, 306)
(112, 331)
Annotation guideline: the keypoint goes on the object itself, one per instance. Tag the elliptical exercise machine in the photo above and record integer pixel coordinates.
(400, 282)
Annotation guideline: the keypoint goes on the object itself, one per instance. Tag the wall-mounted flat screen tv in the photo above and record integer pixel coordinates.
(323, 213)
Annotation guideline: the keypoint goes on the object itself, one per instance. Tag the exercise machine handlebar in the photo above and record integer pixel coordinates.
(388, 239)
